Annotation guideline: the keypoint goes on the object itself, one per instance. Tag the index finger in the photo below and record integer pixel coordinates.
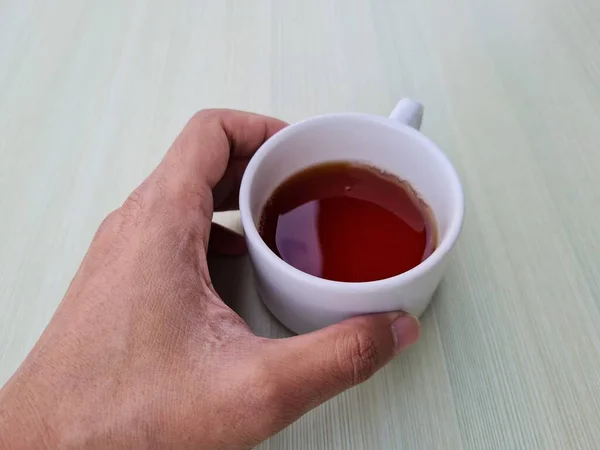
(202, 150)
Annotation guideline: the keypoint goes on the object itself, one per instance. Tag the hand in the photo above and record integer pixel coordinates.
(142, 352)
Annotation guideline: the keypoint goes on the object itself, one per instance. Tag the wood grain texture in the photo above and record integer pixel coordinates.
(92, 93)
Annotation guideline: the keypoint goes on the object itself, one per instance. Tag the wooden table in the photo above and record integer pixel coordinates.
(93, 92)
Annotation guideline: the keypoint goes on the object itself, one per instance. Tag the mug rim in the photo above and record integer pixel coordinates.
(251, 230)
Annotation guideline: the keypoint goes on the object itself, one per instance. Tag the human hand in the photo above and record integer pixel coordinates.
(142, 352)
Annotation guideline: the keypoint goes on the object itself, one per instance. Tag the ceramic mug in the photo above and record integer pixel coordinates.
(303, 302)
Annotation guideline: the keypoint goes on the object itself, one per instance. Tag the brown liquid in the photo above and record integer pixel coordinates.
(348, 222)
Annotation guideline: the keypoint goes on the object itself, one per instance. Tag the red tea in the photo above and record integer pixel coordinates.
(348, 222)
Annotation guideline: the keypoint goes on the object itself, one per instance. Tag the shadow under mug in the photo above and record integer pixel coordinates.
(303, 302)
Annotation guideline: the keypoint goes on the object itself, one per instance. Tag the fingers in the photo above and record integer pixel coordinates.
(201, 152)
(314, 367)
(226, 242)
(227, 191)
(203, 168)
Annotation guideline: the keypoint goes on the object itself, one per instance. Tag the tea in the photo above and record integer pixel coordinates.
(349, 222)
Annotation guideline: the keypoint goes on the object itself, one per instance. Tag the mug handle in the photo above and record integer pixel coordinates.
(408, 112)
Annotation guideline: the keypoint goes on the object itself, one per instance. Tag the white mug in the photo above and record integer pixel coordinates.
(304, 302)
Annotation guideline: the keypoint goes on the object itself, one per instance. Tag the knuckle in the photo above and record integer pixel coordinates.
(206, 115)
(189, 210)
(111, 224)
(358, 356)
(128, 215)
(134, 205)
(109, 221)
(203, 114)
(108, 236)
(190, 196)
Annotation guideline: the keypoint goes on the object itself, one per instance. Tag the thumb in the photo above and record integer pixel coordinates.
(314, 367)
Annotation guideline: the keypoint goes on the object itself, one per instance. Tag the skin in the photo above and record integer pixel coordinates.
(142, 352)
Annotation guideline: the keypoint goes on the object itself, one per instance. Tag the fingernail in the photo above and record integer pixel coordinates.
(405, 330)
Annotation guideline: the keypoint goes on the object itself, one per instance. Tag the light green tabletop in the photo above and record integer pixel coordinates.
(93, 92)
